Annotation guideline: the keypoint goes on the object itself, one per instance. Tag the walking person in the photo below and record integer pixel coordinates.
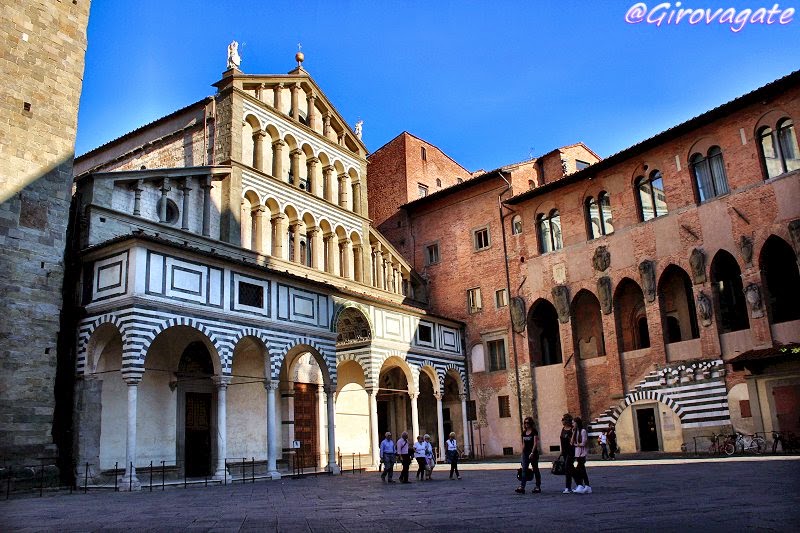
(580, 438)
(403, 449)
(604, 443)
(452, 454)
(429, 458)
(530, 457)
(388, 452)
(611, 438)
(567, 451)
(419, 455)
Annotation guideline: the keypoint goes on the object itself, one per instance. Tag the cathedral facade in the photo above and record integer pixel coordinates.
(236, 302)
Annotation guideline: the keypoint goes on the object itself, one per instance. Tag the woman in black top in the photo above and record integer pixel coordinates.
(567, 451)
(530, 456)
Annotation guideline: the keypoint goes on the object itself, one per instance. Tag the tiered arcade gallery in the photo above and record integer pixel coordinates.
(236, 305)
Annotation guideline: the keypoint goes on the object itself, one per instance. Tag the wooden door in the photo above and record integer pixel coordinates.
(198, 434)
(306, 428)
(787, 408)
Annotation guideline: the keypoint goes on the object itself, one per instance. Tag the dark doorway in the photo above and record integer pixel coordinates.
(198, 434)
(648, 431)
(383, 419)
(781, 279)
(306, 429)
(195, 371)
(447, 423)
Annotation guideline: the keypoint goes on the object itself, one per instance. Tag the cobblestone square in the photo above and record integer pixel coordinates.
(628, 496)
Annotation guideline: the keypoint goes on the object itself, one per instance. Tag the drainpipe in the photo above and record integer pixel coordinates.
(508, 292)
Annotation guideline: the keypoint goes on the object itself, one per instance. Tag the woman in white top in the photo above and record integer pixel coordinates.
(452, 455)
(580, 439)
(419, 455)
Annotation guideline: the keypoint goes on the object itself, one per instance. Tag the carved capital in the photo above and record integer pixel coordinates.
(271, 385)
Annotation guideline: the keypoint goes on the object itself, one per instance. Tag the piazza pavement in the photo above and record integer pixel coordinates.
(629, 495)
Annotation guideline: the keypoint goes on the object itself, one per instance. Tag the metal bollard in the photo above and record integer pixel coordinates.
(162, 476)
(253, 470)
(151, 476)
(41, 481)
(86, 478)
(116, 475)
(244, 476)
(130, 478)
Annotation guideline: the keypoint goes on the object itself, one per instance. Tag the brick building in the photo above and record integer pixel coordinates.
(41, 72)
(655, 287)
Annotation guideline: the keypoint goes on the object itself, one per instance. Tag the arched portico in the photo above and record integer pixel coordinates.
(307, 407)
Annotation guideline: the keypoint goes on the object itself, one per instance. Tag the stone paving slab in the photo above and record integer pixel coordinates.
(717, 495)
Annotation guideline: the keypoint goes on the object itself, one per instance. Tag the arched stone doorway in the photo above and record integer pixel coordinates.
(195, 401)
(633, 332)
(303, 407)
(677, 306)
(726, 283)
(352, 410)
(781, 280)
(426, 404)
(544, 340)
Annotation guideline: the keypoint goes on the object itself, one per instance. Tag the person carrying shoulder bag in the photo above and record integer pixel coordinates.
(567, 451)
(580, 439)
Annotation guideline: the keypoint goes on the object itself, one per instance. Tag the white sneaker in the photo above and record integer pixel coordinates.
(580, 489)
(587, 489)
(566, 491)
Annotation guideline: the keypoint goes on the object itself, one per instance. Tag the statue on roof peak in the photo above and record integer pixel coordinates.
(233, 55)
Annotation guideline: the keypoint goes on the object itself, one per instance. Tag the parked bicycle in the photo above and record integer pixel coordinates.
(750, 443)
(722, 444)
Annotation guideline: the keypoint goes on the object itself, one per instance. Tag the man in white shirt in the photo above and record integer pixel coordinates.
(403, 450)
(388, 452)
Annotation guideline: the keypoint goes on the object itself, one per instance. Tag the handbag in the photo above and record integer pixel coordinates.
(528, 474)
(559, 467)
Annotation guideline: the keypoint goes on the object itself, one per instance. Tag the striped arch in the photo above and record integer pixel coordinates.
(439, 382)
(250, 332)
(86, 331)
(380, 360)
(462, 385)
(277, 362)
(224, 349)
(363, 360)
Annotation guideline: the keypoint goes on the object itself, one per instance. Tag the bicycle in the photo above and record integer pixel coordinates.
(719, 446)
(750, 443)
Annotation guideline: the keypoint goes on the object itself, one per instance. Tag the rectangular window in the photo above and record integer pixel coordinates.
(251, 295)
(432, 254)
(744, 408)
(474, 303)
(422, 190)
(480, 238)
(501, 298)
(497, 354)
(472, 411)
(505, 406)
(580, 165)
(423, 153)
(425, 333)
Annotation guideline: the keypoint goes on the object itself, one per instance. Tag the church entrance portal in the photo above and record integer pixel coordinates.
(196, 410)
(306, 428)
(647, 429)
(198, 434)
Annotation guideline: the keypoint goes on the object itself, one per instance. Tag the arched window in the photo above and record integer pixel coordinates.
(549, 228)
(598, 216)
(544, 340)
(726, 284)
(779, 150)
(709, 174)
(650, 193)
(516, 225)
(781, 280)
(438, 182)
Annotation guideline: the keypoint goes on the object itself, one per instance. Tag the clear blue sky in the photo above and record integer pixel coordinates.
(489, 82)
